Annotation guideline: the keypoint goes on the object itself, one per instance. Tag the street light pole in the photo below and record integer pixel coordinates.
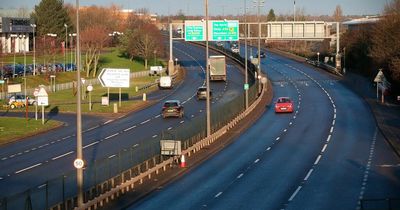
(259, 45)
(14, 36)
(79, 152)
(246, 82)
(207, 76)
(34, 50)
(65, 46)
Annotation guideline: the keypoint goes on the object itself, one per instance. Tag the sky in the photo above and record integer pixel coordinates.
(226, 7)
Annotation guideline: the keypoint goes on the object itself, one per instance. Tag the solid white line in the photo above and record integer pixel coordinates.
(308, 174)
(146, 121)
(323, 149)
(317, 160)
(63, 155)
(256, 161)
(132, 127)
(217, 195)
(115, 134)
(30, 167)
(89, 145)
(295, 193)
(240, 176)
(111, 156)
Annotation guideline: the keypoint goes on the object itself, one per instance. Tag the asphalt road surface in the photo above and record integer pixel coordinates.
(328, 154)
(30, 163)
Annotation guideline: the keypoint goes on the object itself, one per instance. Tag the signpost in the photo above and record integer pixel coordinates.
(220, 30)
(43, 100)
(118, 78)
(194, 31)
(90, 89)
(379, 78)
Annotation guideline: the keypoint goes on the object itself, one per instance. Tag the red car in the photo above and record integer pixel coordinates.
(283, 104)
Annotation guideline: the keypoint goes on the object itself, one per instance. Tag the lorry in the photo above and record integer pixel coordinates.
(217, 68)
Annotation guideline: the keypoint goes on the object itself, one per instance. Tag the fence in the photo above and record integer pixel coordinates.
(102, 177)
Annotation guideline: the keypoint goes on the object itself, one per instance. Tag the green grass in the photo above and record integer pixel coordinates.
(12, 128)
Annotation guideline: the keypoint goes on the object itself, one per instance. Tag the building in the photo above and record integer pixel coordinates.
(361, 23)
(15, 34)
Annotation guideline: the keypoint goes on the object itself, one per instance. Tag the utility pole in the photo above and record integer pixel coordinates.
(207, 76)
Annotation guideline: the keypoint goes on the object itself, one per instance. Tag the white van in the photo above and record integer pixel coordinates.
(165, 82)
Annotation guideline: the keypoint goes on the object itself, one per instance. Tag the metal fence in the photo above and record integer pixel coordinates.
(100, 176)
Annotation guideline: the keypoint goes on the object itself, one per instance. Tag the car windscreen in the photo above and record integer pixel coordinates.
(171, 104)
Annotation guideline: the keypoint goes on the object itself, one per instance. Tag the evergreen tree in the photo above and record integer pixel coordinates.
(271, 15)
(50, 17)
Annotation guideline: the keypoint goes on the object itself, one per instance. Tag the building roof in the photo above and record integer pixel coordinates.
(365, 20)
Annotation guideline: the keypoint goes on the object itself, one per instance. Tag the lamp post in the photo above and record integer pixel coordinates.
(207, 76)
(246, 82)
(71, 44)
(318, 57)
(14, 36)
(65, 46)
(34, 50)
(23, 38)
(176, 61)
(259, 2)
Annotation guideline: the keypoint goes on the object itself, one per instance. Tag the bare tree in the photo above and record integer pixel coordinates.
(385, 39)
(338, 14)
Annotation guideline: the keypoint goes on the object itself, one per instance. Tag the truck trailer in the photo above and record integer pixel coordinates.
(217, 68)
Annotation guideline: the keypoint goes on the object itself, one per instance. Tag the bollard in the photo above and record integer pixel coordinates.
(144, 96)
(115, 108)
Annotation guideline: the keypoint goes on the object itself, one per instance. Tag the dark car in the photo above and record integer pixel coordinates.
(172, 108)
(202, 93)
(262, 54)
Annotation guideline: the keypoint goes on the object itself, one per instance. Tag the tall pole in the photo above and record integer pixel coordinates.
(79, 153)
(294, 10)
(65, 45)
(34, 50)
(207, 76)
(259, 46)
(171, 67)
(246, 82)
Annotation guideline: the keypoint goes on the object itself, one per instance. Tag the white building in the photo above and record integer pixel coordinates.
(15, 35)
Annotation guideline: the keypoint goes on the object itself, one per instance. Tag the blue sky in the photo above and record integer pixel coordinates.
(219, 7)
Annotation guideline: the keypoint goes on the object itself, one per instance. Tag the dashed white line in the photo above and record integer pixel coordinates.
(331, 131)
(240, 176)
(157, 116)
(136, 145)
(181, 121)
(92, 128)
(295, 193)
(256, 161)
(277, 138)
(329, 138)
(115, 134)
(169, 128)
(130, 128)
(89, 145)
(108, 121)
(30, 167)
(144, 122)
(154, 136)
(111, 156)
(317, 160)
(308, 174)
(4, 158)
(67, 137)
(63, 155)
(217, 195)
(268, 149)
(323, 149)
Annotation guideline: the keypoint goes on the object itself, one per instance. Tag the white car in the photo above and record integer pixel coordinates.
(165, 82)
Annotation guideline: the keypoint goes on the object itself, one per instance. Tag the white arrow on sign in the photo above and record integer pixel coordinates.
(116, 78)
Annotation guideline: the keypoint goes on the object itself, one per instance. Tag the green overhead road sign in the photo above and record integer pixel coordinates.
(219, 30)
(225, 30)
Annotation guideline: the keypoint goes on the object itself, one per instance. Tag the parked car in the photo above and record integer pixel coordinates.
(20, 98)
(284, 104)
(202, 93)
(172, 108)
(16, 104)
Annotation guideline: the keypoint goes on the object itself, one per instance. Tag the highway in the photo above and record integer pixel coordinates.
(31, 162)
(328, 154)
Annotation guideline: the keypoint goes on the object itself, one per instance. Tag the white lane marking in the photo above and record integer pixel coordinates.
(89, 145)
(30, 167)
(67, 137)
(111, 156)
(333, 122)
(334, 116)
(256, 161)
(108, 121)
(317, 160)
(4, 158)
(1, 178)
(157, 116)
(136, 145)
(331, 129)
(181, 121)
(169, 128)
(63, 155)
(115, 134)
(308, 174)
(144, 122)
(323, 149)
(285, 130)
(277, 138)
(329, 138)
(295, 193)
(92, 128)
(217, 195)
(41, 186)
(240, 176)
(154, 136)
(130, 128)
(268, 149)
